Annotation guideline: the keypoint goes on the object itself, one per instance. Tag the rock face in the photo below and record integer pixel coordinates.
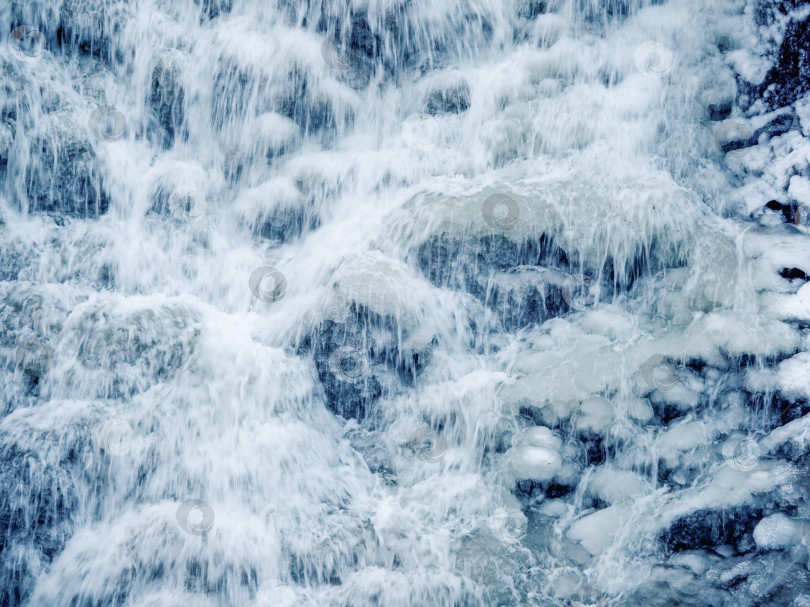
(710, 528)
(789, 79)
(529, 9)
(166, 97)
(451, 100)
(65, 179)
(360, 361)
(509, 277)
(50, 165)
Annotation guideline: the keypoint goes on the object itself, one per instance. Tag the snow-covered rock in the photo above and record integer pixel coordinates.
(776, 532)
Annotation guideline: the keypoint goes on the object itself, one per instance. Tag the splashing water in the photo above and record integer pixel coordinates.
(370, 302)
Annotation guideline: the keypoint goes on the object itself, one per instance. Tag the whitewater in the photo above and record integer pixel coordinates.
(404, 303)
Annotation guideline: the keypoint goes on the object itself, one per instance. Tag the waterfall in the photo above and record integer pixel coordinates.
(404, 303)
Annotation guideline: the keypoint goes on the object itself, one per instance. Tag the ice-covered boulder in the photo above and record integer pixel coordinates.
(777, 531)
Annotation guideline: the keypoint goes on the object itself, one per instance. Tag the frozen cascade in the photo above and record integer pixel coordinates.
(404, 303)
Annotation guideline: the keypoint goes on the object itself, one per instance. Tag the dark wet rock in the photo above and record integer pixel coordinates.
(720, 110)
(453, 99)
(311, 113)
(501, 273)
(211, 9)
(710, 528)
(238, 91)
(789, 409)
(665, 411)
(779, 124)
(279, 211)
(528, 490)
(598, 14)
(529, 9)
(6, 141)
(90, 26)
(62, 176)
(121, 357)
(793, 274)
(166, 97)
(396, 39)
(524, 296)
(36, 502)
(767, 12)
(13, 254)
(718, 93)
(592, 449)
(31, 319)
(790, 211)
(362, 40)
(359, 361)
(287, 223)
(741, 137)
(525, 282)
(467, 263)
(789, 79)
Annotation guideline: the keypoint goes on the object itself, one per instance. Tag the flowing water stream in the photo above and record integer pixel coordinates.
(394, 302)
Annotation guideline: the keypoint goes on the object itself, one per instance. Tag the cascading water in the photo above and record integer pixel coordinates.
(377, 302)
